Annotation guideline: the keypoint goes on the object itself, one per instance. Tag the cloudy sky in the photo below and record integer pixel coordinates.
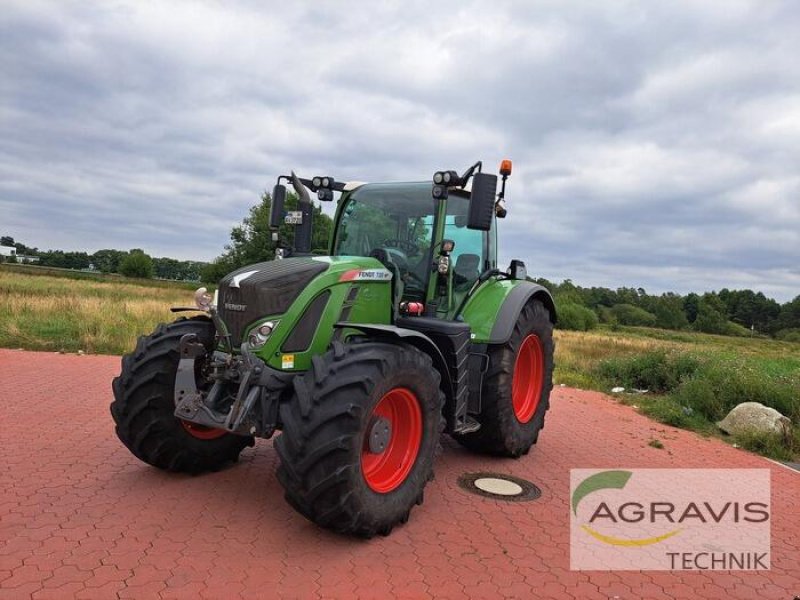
(654, 144)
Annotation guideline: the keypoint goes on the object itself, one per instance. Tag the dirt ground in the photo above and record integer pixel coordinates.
(81, 517)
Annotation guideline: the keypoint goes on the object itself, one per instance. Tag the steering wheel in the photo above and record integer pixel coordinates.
(404, 245)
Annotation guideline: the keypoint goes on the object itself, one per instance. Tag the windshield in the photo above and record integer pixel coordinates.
(387, 216)
(391, 222)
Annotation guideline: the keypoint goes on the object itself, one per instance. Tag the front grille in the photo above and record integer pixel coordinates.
(269, 290)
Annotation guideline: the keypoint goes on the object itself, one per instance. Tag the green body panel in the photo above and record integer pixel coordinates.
(482, 308)
(372, 305)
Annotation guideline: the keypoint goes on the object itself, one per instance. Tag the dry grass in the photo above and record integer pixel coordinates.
(579, 353)
(43, 312)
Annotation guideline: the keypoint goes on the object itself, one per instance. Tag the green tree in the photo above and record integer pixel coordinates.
(108, 260)
(628, 314)
(567, 293)
(668, 309)
(789, 317)
(749, 308)
(251, 242)
(576, 317)
(137, 264)
(64, 260)
(690, 306)
(710, 317)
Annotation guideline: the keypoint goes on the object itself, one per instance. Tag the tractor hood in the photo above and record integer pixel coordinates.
(269, 288)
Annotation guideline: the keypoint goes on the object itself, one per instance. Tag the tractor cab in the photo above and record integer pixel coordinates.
(426, 244)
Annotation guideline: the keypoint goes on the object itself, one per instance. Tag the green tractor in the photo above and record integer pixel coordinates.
(361, 358)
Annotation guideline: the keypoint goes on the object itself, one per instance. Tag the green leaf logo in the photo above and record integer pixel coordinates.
(599, 481)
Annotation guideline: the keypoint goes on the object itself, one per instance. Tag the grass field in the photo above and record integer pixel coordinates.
(693, 379)
(69, 311)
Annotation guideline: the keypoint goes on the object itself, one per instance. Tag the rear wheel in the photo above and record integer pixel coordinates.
(516, 388)
(359, 437)
(143, 406)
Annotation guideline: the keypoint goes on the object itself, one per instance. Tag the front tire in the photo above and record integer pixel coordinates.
(359, 437)
(516, 388)
(143, 406)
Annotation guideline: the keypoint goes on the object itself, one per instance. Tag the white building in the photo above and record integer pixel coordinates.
(8, 251)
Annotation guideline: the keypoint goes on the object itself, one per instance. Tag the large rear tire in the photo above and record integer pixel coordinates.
(516, 387)
(143, 406)
(359, 437)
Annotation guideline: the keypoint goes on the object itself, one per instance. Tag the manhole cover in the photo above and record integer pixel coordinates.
(499, 486)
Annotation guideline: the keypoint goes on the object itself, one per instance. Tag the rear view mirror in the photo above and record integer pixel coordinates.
(276, 207)
(481, 203)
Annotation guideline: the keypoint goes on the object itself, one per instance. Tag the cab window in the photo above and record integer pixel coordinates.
(469, 257)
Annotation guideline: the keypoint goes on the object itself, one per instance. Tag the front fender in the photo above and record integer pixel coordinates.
(494, 308)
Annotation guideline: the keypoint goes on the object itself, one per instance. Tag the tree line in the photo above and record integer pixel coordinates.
(130, 263)
(726, 312)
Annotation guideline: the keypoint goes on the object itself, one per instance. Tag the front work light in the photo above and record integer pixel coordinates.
(444, 264)
(322, 182)
(448, 178)
(203, 299)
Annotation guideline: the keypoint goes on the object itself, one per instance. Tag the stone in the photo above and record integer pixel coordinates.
(754, 417)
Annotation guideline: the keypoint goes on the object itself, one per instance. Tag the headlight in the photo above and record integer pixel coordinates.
(203, 299)
(259, 336)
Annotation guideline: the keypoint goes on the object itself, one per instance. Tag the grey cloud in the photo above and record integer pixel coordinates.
(654, 144)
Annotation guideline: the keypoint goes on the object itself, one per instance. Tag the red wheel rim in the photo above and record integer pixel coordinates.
(526, 389)
(201, 432)
(385, 471)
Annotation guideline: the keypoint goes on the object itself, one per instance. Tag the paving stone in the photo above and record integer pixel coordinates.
(80, 517)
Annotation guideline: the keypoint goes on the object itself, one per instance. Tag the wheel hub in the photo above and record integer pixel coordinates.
(392, 439)
(380, 432)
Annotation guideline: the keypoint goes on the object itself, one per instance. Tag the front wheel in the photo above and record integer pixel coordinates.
(516, 389)
(143, 406)
(359, 437)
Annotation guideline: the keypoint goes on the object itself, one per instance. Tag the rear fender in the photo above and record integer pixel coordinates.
(494, 308)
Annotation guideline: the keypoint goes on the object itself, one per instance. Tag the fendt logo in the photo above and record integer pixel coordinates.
(236, 307)
(670, 519)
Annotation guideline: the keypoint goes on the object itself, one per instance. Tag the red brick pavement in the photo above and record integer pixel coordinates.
(80, 517)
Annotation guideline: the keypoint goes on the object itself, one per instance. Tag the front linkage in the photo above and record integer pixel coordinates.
(254, 408)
